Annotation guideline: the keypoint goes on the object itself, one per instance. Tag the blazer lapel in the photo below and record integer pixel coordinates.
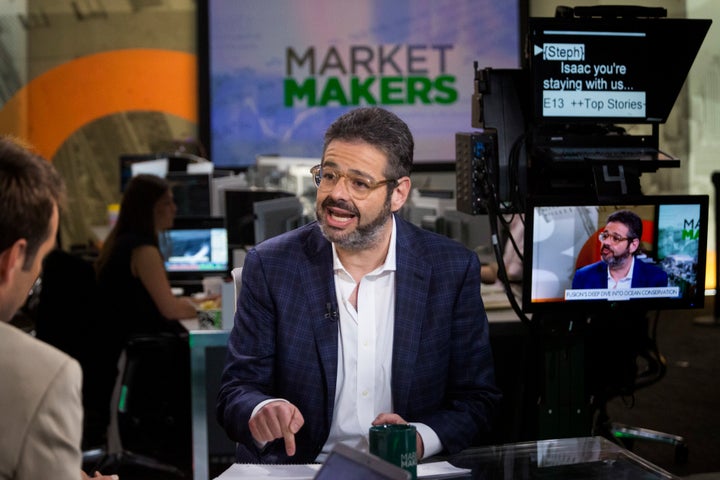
(325, 321)
(412, 284)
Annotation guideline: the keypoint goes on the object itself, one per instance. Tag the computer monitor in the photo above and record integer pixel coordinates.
(473, 231)
(291, 174)
(283, 163)
(609, 70)
(157, 167)
(195, 247)
(158, 163)
(410, 56)
(191, 192)
(132, 164)
(562, 235)
(276, 216)
(300, 181)
(239, 214)
(218, 187)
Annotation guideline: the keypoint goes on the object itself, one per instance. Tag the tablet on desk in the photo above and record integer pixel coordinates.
(349, 464)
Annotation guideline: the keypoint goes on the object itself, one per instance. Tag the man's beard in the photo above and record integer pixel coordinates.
(616, 260)
(364, 236)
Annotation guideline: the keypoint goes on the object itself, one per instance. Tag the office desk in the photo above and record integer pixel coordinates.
(211, 447)
(566, 458)
(583, 458)
(212, 450)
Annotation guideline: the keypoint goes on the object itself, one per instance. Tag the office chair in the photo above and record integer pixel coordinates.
(66, 316)
(635, 362)
(236, 274)
(150, 434)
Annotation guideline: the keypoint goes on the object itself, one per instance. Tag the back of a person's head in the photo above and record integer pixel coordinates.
(137, 213)
(30, 188)
(138, 201)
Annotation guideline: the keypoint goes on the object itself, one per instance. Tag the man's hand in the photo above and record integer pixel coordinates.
(275, 420)
(393, 418)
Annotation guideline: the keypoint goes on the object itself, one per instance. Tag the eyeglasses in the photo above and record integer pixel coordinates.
(614, 237)
(326, 178)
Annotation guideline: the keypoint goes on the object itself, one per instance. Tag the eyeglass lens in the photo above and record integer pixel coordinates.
(327, 178)
(614, 237)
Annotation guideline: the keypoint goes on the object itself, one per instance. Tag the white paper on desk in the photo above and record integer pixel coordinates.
(439, 470)
(246, 471)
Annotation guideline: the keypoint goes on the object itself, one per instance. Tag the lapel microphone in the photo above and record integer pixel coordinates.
(330, 313)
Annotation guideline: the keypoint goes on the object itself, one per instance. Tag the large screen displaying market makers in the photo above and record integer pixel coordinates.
(273, 74)
(564, 235)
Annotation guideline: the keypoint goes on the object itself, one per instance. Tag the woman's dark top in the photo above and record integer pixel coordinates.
(124, 298)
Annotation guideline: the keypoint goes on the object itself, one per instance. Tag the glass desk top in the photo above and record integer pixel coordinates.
(567, 458)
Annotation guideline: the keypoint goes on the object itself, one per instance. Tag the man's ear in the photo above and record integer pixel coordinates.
(12, 260)
(400, 194)
(634, 245)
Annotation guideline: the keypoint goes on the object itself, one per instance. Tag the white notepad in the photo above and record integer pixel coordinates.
(240, 471)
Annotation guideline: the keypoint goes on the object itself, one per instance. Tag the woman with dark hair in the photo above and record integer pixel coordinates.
(134, 293)
(130, 267)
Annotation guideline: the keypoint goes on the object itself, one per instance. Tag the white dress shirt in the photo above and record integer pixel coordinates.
(365, 345)
(365, 355)
(622, 284)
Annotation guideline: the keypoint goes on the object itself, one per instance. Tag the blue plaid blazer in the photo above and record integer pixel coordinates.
(284, 342)
(645, 275)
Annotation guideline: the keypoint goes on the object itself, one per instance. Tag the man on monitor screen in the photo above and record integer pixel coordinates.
(620, 268)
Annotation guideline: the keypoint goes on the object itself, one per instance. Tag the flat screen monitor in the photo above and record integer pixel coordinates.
(276, 216)
(157, 163)
(191, 192)
(283, 164)
(274, 74)
(196, 247)
(473, 231)
(562, 236)
(285, 173)
(150, 167)
(218, 187)
(239, 214)
(132, 164)
(610, 70)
